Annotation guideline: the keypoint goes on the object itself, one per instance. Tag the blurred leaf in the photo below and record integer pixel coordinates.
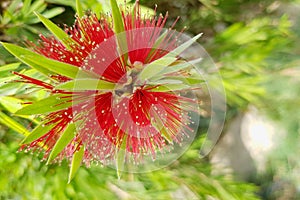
(11, 123)
(9, 67)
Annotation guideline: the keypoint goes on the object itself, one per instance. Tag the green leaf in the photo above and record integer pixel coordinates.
(11, 123)
(120, 156)
(183, 46)
(38, 132)
(9, 67)
(155, 68)
(79, 8)
(117, 17)
(170, 87)
(180, 66)
(11, 104)
(158, 124)
(45, 65)
(76, 162)
(157, 44)
(86, 84)
(48, 14)
(49, 104)
(58, 32)
(37, 5)
(62, 142)
(26, 7)
(119, 29)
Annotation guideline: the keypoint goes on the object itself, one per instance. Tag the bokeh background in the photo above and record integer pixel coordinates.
(255, 45)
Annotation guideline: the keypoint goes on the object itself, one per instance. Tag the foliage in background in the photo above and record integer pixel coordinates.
(24, 176)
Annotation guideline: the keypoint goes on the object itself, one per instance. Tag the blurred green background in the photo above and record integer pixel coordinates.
(255, 45)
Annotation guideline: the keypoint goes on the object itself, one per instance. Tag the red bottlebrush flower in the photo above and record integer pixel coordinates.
(131, 96)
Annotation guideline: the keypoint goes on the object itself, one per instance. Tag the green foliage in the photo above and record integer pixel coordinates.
(253, 49)
(17, 21)
(244, 52)
(24, 176)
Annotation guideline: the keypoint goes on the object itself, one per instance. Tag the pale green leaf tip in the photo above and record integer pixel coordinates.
(198, 36)
(119, 174)
(4, 44)
(79, 8)
(70, 179)
(37, 14)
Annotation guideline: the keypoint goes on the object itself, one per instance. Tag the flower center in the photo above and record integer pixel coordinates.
(128, 83)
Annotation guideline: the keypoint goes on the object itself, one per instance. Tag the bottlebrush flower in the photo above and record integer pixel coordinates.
(119, 89)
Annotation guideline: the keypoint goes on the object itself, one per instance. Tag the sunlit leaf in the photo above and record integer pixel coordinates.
(38, 132)
(86, 84)
(58, 32)
(45, 65)
(62, 142)
(49, 104)
(9, 67)
(170, 87)
(48, 14)
(79, 8)
(119, 29)
(157, 66)
(76, 162)
(160, 127)
(183, 46)
(120, 156)
(11, 123)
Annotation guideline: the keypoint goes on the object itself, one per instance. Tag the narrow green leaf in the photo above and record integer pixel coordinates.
(62, 142)
(11, 123)
(76, 162)
(180, 66)
(158, 124)
(183, 46)
(26, 7)
(49, 104)
(36, 133)
(9, 67)
(120, 156)
(79, 8)
(157, 44)
(37, 5)
(117, 17)
(58, 32)
(170, 87)
(11, 104)
(45, 65)
(119, 29)
(155, 68)
(86, 84)
(48, 14)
